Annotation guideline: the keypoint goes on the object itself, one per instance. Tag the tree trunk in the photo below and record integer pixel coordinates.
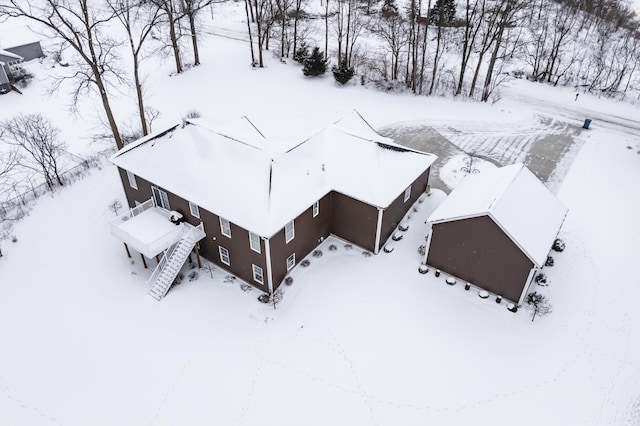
(247, 6)
(194, 38)
(174, 41)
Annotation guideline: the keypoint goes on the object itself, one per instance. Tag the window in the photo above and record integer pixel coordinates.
(316, 208)
(162, 200)
(289, 231)
(195, 211)
(407, 194)
(132, 180)
(224, 256)
(254, 242)
(225, 227)
(257, 274)
(291, 261)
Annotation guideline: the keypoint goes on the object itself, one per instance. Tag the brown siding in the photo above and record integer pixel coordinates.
(309, 231)
(478, 251)
(240, 253)
(398, 208)
(354, 220)
(142, 194)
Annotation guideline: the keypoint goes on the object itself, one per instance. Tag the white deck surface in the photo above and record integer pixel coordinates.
(150, 232)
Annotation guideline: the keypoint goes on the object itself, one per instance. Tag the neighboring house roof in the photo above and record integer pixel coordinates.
(516, 200)
(260, 184)
(10, 55)
(15, 36)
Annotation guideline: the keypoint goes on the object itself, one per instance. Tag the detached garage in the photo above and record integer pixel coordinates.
(495, 230)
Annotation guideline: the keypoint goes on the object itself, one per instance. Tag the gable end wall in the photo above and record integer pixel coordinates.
(476, 250)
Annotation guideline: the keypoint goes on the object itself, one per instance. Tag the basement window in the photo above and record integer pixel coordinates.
(316, 208)
(224, 256)
(291, 261)
(407, 194)
(257, 274)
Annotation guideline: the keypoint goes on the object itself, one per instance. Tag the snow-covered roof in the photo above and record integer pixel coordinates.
(260, 184)
(516, 200)
(10, 55)
(15, 36)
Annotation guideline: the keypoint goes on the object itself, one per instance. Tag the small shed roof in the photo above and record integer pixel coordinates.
(516, 200)
(260, 184)
(10, 55)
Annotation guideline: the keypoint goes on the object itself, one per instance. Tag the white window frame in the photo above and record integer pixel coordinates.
(289, 231)
(316, 208)
(194, 209)
(407, 193)
(132, 180)
(254, 242)
(258, 275)
(137, 202)
(224, 253)
(162, 195)
(225, 227)
(291, 261)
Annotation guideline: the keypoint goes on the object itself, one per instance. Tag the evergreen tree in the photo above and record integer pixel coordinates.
(301, 54)
(389, 9)
(343, 73)
(315, 64)
(443, 12)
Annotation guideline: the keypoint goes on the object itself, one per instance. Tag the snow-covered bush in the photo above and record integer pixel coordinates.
(541, 279)
(549, 261)
(366, 253)
(348, 247)
(333, 247)
(305, 263)
(193, 275)
(317, 253)
(558, 245)
(288, 280)
(422, 250)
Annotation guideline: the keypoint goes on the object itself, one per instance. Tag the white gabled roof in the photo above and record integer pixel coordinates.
(516, 200)
(260, 184)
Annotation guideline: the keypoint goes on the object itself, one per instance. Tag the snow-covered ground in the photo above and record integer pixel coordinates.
(356, 340)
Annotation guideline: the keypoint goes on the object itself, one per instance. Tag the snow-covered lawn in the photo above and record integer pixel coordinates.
(357, 340)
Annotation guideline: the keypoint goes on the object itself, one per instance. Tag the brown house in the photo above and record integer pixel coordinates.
(495, 230)
(256, 206)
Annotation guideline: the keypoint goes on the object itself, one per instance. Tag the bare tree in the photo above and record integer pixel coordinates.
(474, 15)
(38, 139)
(78, 24)
(391, 29)
(138, 20)
(538, 304)
(172, 12)
(191, 9)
